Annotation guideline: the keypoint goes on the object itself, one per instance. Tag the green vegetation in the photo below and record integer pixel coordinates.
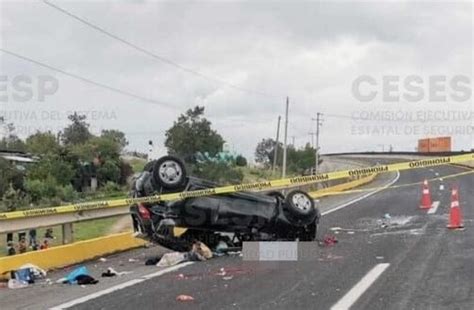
(298, 160)
(65, 166)
(137, 164)
(192, 133)
(192, 138)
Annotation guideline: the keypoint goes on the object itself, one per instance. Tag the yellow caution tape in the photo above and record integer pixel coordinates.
(317, 194)
(256, 186)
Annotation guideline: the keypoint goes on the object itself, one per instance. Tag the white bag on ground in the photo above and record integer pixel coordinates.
(171, 259)
(14, 284)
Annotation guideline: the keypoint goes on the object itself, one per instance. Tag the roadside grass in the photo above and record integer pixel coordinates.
(137, 164)
(259, 174)
(82, 231)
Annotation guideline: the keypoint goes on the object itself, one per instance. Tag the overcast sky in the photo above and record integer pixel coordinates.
(310, 51)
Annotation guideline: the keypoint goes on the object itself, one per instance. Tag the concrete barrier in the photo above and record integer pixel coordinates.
(66, 255)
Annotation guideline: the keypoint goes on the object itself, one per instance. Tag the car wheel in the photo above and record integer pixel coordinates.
(300, 204)
(169, 172)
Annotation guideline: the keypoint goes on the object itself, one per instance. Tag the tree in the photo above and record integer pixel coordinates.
(265, 152)
(115, 135)
(9, 176)
(192, 133)
(240, 161)
(78, 131)
(11, 142)
(54, 167)
(42, 143)
(298, 160)
(301, 159)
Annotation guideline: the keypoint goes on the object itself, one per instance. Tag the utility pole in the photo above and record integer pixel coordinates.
(283, 172)
(293, 140)
(319, 123)
(275, 152)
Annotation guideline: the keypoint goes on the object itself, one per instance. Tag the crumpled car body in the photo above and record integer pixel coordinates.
(245, 215)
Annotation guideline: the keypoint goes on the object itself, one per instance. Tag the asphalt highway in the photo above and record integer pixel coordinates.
(390, 255)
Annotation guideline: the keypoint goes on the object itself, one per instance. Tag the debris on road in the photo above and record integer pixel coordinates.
(328, 241)
(221, 272)
(16, 284)
(132, 260)
(184, 298)
(111, 272)
(37, 272)
(78, 276)
(102, 259)
(84, 279)
(152, 260)
(199, 252)
(388, 221)
(171, 259)
(25, 275)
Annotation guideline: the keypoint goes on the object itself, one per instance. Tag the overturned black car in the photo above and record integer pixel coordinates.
(246, 216)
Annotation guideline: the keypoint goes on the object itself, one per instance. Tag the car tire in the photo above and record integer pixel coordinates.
(299, 204)
(169, 172)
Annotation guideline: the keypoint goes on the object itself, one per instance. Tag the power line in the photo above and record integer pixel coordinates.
(155, 56)
(87, 80)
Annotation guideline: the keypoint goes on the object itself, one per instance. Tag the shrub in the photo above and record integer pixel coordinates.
(240, 161)
(218, 172)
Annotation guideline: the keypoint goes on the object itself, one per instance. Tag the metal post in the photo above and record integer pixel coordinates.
(68, 233)
(275, 152)
(283, 172)
(318, 124)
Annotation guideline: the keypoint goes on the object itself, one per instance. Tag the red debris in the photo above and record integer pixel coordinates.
(184, 298)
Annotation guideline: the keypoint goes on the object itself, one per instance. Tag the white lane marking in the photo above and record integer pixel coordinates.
(353, 295)
(119, 287)
(434, 207)
(362, 197)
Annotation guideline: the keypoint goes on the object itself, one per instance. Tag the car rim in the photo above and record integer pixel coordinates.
(301, 202)
(170, 172)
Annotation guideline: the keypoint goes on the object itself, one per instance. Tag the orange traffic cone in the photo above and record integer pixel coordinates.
(426, 196)
(455, 216)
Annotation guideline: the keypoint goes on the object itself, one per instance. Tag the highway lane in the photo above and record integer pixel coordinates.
(424, 266)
